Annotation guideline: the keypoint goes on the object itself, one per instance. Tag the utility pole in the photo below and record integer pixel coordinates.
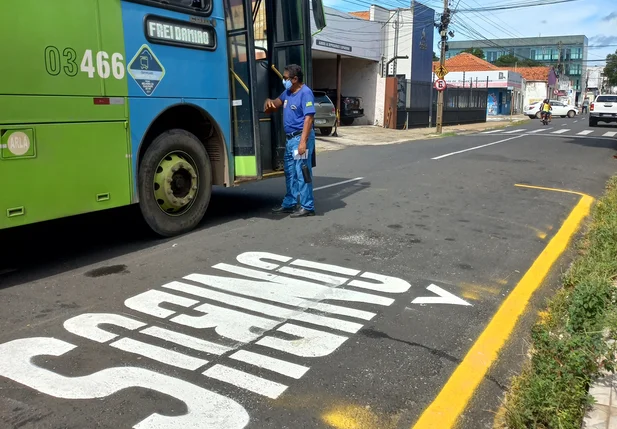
(396, 25)
(443, 32)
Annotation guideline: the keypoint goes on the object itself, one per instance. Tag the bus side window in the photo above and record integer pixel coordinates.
(199, 4)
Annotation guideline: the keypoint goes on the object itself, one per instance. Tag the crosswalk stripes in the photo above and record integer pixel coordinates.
(561, 131)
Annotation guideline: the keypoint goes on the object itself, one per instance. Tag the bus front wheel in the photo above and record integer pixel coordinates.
(175, 183)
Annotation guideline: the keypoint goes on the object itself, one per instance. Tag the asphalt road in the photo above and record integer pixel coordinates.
(355, 318)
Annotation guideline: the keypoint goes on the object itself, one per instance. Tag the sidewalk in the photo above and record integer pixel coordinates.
(603, 415)
(365, 135)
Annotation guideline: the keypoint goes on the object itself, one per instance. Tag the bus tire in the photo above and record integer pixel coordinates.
(175, 183)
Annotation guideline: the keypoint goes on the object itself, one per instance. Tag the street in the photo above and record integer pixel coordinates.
(356, 318)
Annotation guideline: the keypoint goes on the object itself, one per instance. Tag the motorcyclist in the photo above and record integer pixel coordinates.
(546, 108)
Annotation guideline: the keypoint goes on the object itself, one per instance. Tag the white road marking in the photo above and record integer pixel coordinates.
(255, 260)
(204, 409)
(584, 133)
(87, 325)
(302, 288)
(565, 130)
(357, 179)
(491, 132)
(281, 299)
(539, 130)
(150, 302)
(236, 325)
(518, 130)
(186, 340)
(475, 148)
(444, 297)
(250, 382)
(291, 295)
(325, 267)
(271, 364)
(577, 121)
(311, 342)
(267, 309)
(159, 354)
(610, 134)
(333, 281)
(385, 284)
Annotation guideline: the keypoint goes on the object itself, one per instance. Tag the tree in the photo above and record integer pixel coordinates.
(610, 71)
(510, 60)
(476, 52)
(435, 57)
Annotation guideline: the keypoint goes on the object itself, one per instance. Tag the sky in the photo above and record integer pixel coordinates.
(596, 19)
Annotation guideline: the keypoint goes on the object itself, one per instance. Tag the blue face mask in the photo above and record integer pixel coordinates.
(287, 84)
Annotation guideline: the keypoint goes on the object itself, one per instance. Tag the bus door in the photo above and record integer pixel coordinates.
(244, 102)
(289, 42)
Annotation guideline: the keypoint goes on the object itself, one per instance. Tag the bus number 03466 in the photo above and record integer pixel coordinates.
(100, 63)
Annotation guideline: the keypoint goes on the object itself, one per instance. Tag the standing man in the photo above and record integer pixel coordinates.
(585, 105)
(298, 114)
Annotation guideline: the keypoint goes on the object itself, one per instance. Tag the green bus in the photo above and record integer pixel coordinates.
(106, 103)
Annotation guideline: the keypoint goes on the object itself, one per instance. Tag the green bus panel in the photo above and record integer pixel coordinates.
(67, 169)
(67, 47)
(31, 109)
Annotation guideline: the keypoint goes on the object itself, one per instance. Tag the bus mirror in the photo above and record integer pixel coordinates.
(319, 14)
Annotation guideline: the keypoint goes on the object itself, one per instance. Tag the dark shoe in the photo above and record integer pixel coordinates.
(284, 210)
(303, 213)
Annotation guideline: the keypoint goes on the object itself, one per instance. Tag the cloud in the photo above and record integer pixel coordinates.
(603, 39)
(610, 16)
(544, 21)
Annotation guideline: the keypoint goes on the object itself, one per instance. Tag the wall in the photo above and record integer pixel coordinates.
(415, 39)
(348, 35)
(359, 79)
(496, 79)
(422, 49)
(380, 97)
(536, 91)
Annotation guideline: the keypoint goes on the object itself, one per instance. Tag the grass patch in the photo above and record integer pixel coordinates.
(569, 343)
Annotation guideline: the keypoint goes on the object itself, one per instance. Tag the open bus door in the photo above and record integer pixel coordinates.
(278, 33)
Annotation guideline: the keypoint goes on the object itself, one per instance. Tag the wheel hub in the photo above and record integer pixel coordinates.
(175, 183)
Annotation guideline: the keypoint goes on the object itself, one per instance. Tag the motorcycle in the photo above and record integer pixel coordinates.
(545, 118)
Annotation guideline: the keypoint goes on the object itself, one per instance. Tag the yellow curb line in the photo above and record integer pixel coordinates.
(451, 402)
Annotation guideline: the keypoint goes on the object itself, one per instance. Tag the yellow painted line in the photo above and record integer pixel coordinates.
(445, 410)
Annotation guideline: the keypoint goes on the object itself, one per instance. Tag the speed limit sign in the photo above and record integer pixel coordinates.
(440, 85)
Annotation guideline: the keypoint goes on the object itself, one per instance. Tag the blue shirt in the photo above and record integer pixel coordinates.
(296, 107)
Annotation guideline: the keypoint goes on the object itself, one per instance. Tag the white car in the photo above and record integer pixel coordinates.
(559, 109)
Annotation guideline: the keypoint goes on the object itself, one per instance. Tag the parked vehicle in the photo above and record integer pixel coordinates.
(603, 109)
(559, 109)
(351, 107)
(325, 113)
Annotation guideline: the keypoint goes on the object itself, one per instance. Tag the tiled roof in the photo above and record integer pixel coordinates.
(466, 62)
(363, 15)
(538, 74)
(469, 63)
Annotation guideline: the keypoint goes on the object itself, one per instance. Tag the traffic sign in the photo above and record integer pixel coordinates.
(440, 85)
(441, 72)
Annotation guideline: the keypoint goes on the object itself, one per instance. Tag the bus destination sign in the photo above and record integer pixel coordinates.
(173, 32)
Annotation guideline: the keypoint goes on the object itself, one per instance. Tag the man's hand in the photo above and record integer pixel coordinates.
(301, 148)
(270, 105)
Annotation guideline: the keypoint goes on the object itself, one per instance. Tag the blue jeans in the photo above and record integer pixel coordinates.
(294, 179)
